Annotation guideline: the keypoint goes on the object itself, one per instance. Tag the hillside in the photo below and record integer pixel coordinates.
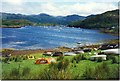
(42, 18)
(16, 23)
(74, 17)
(106, 22)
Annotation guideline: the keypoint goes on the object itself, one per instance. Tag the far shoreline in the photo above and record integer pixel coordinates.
(11, 26)
(101, 31)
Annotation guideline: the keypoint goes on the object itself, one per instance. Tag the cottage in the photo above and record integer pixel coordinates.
(98, 56)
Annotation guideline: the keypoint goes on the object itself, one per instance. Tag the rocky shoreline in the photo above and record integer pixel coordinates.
(33, 51)
(108, 44)
(10, 26)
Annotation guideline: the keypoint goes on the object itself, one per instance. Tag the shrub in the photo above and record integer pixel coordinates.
(101, 71)
(114, 75)
(72, 60)
(26, 71)
(109, 57)
(56, 71)
(6, 52)
(18, 59)
(114, 60)
(62, 65)
(53, 65)
(6, 60)
(99, 59)
(78, 58)
(87, 75)
(54, 74)
(15, 74)
(83, 57)
(11, 59)
(34, 57)
(77, 61)
(65, 63)
(74, 64)
(92, 59)
(60, 58)
(0, 59)
(25, 57)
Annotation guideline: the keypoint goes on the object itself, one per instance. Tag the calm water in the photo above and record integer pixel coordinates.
(49, 37)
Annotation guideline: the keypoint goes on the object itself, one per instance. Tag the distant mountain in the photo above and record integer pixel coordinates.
(74, 17)
(90, 16)
(42, 18)
(108, 22)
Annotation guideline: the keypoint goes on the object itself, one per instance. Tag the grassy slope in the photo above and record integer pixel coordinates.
(36, 69)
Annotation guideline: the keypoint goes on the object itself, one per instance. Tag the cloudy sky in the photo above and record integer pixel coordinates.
(58, 7)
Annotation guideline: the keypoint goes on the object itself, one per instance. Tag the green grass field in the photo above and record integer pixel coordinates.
(76, 69)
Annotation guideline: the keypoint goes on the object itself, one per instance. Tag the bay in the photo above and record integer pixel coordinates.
(31, 37)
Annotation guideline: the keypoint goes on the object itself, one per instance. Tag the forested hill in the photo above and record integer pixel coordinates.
(107, 19)
(107, 22)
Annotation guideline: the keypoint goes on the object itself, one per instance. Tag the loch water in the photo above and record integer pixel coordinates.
(31, 37)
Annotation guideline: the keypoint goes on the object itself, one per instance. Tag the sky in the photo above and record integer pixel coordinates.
(58, 7)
